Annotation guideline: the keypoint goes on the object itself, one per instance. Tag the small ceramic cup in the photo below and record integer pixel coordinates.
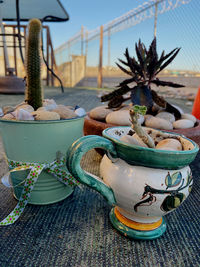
(143, 184)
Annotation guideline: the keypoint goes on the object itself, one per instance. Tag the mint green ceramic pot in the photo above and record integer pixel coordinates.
(38, 141)
(143, 184)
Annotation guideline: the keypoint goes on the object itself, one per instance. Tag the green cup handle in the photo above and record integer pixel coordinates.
(74, 156)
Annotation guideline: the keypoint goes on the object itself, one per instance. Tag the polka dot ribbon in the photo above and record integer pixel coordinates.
(29, 183)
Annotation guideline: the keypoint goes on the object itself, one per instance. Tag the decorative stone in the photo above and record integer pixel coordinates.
(99, 113)
(49, 104)
(45, 115)
(70, 107)
(41, 109)
(138, 139)
(188, 117)
(130, 140)
(169, 144)
(121, 117)
(166, 116)
(183, 124)
(80, 112)
(147, 117)
(155, 135)
(1, 112)
(9, 116)
(23, 115)
(8, 109)
(21, 104)
(65, 113)
(141, 119)
(26, 107)
(126, 107)
(159, 123)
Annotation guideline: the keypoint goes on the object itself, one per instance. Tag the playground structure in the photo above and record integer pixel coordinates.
(10, 58)
(14, 39)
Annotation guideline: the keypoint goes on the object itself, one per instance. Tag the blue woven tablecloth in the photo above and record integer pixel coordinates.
(77, 233)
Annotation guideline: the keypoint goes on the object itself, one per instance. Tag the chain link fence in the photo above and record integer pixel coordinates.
(88, 58)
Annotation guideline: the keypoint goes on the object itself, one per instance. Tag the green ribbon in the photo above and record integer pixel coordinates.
(35, 169)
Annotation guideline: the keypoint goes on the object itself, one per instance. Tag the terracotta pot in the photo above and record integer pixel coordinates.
(92, 126)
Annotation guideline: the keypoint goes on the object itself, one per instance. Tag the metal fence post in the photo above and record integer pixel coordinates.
(82, 40)
(99, 80)
(155, 18)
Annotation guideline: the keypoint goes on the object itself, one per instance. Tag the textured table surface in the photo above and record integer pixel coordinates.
(77, 232)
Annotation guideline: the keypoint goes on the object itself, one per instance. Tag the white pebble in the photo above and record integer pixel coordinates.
(23, 115)
(166, 116)
(130, 140)
(183, 124)
(1, 112)
(158, 123)
(100, 113)
(26, 107)
(80, 112)
(188, 117)
(121, 117)
(49, 104)
(169, 144)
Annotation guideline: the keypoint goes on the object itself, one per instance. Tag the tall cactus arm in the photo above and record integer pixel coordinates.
(34, 92)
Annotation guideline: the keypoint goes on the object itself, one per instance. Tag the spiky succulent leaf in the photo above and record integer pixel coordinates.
(118, 92)
(159, 100)
(140, 55)
(133, 64)
(124, 70)
(171, 109)
(127, 81)
(143, 71)
(164, 83)
(123, 62)
(116, 101)
(169, 60)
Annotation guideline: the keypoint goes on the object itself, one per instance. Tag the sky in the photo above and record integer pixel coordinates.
(176, 28)
(89, 13)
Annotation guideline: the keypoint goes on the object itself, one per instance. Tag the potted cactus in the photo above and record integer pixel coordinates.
(36, 135)
(145, 174)
(143, 72)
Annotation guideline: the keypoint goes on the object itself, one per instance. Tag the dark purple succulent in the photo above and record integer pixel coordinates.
(143, 72)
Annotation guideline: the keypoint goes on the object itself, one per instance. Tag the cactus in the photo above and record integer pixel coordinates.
(34, 92)
(134, 114)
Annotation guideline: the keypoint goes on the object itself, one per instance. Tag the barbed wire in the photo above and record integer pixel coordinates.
(127, 20)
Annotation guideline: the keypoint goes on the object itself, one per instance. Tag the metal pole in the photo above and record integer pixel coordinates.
(15, 52)
(155, 18)
(86, 51)
(5, 50)
(99, 80)
(109, 47)
(82, 37)
(19, 33)
(47, 57)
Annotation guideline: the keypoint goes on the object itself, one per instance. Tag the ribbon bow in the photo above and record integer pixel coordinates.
(29, 183)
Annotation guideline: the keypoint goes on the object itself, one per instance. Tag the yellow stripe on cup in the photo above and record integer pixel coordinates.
(136, 225)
